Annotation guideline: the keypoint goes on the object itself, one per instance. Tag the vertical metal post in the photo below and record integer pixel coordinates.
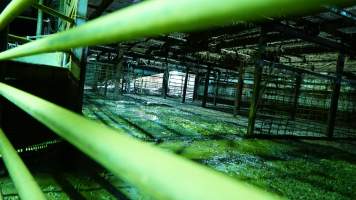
(216, 92)
(239, 89)
(196, 86)
(106, 80)
(256, 85)
(335, 95)
(206, 88)
(128, 80)
(39, 21)
(165, 82)
(185, 84)
(298, 82)
(81, 53)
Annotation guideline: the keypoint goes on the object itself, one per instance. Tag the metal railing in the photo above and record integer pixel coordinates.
(23, 180)
(160, 174)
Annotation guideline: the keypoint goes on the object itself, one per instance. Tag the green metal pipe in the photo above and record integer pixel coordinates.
(155, 17)
(15, 8)
(156, 172)
(15, 38)
(22, 178)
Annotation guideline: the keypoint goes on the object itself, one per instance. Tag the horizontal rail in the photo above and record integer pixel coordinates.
(154, 17)
(158, 173)
(15, 8)
(53, 12)
(22, 178)
(16, 38)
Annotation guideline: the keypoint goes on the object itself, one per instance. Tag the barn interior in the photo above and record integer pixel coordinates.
(189, 99)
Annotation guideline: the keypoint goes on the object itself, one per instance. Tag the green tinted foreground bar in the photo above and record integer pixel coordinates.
(24, 182)
(13, 10)
(155, 17)
(156, 172)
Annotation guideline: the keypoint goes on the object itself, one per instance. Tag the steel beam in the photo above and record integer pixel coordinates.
(154, 171)
(155, 17)
(314, 39)
(24, 182)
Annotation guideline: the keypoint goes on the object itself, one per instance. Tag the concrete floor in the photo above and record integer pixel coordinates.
(296, 169)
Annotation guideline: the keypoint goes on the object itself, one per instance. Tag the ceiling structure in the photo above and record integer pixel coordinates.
(310, 42)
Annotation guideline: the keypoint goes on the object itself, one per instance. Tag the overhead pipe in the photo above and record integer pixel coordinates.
(14, 9)
(154, 171)
(155, 17)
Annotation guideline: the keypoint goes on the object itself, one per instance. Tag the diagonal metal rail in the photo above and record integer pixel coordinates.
(20, 175)
(14, 9)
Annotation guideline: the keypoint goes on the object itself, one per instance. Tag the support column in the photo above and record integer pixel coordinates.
(196, 86)
(106, 80)
(39, 21)
(335, 95)
(256, 85)
(185, 85)
(296, 93)
(239, 89)
(216, 92)
(81, 53)
(206, 88)
(128, 80)
(123, 82)
(165, 82)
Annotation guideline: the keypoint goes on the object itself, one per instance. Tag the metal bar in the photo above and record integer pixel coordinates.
(239, 88)
(15, 8)
(161, 174)
(39, 20)
(53, 12)
(165, 81)
(335, 95)
(256, 84)
(206, 88)
(216, 88)
(17, 38)
(296, 93)
(20, 175)
(162, 17)
(185, 85)
(196, 86)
